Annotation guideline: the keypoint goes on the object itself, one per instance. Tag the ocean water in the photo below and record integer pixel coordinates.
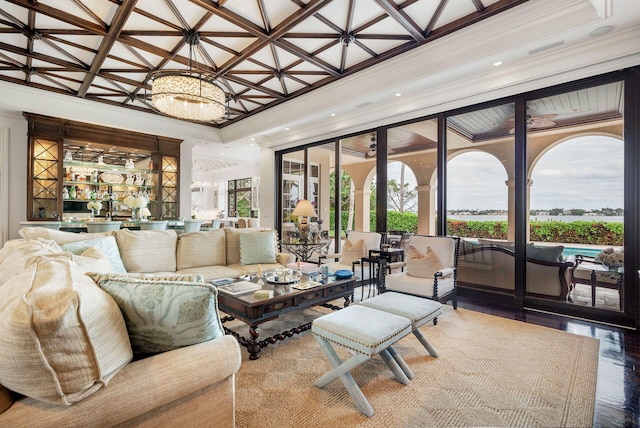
(564, 218)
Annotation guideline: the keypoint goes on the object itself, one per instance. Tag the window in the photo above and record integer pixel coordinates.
(240, 198)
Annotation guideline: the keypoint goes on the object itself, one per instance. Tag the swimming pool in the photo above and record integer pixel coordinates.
(572, 251)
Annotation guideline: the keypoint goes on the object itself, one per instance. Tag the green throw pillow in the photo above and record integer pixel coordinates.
(544, 253)
(165, 315)
(258, 247)
(108, 246)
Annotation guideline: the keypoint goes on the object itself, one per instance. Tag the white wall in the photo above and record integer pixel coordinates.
(17, 126)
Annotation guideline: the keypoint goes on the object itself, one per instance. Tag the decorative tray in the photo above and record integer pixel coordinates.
(306, 285)
(111, 178)
(281, 276)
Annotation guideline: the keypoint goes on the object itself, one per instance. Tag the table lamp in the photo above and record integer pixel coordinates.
(303, 210)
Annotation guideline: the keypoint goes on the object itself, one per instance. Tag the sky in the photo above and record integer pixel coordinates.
(584, 172)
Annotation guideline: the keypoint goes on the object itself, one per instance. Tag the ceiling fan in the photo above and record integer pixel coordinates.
(537, 122)
(373, 148)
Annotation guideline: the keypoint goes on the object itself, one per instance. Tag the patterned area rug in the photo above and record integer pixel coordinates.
(491, 372)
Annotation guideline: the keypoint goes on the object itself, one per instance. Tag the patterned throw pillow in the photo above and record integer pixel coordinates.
(108, 246)
(189, 277)
(165, 315)
(353, 252)
(61, 337)
(422, 265)
(257, 247)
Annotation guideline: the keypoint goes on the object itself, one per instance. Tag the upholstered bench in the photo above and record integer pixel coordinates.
(366, 332)
(418, 310)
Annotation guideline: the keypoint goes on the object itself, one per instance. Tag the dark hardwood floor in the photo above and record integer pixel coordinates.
(618, 386)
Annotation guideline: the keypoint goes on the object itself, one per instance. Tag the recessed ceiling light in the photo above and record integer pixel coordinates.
(286, 129)
(221, 153)
(398, 94)
(601, 31)
(497, 63)
(253, 139)
(333, 114)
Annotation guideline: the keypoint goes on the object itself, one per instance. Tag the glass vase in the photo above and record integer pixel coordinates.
(135, 214)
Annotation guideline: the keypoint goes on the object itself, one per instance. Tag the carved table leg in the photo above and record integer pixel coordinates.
(253, 346)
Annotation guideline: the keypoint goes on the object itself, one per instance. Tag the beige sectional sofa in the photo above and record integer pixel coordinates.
(186, 384)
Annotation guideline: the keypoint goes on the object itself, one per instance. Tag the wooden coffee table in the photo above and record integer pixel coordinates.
(253, 312)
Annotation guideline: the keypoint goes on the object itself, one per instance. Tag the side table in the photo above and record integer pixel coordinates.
(374, 264)
(391, 255)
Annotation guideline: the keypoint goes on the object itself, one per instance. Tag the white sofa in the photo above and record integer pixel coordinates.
(212, 254)
(82, 375)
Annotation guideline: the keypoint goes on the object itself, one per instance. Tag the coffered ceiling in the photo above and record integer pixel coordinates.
(265, 52)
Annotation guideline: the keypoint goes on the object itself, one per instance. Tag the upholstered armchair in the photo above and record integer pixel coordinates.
(354, 248)
(430, 271)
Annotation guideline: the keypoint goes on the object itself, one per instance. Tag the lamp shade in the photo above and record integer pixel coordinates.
(304, 209)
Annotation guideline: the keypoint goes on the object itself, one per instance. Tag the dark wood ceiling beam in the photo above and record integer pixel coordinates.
(31, 18)
(42, 57)
(89, 12)
(117, 24)
(263, 37)
(478, 4)
(172, 7)
(434, 18)
(293, 49)
(402, 18)
(60, 15)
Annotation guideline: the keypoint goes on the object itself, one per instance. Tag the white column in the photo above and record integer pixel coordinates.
(427, 209)
(186, 167)
(362, 207)
(511, 213)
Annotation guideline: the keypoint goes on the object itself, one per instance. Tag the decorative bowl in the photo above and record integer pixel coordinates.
(281, 276)
(343, 274)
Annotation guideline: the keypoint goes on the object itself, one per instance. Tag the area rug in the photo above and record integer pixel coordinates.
(491, 372)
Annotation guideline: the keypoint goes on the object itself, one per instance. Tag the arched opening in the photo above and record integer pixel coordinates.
(576, 206)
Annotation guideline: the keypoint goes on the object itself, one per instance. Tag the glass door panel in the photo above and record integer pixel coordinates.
(576, 193)
(411, 176)
(480, 197)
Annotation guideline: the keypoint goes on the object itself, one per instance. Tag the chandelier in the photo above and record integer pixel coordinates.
(187, 94)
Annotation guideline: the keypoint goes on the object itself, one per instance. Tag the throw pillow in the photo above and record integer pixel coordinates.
(107, 244)
(61, 337)
(148, 250)
(165, 315)
(92, 260)
(6, 399)
(353, 252)
(18, 254)
(198, 249)
(422, 265)
(257, 247)
(189, 277)
(59, 236)
(232, 236)
(545, 253)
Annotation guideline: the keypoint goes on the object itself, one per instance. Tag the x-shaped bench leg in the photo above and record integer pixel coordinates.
(425, 342)
(341, 370)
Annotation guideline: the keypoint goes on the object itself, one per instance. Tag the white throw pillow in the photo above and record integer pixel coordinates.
(107, 244)
(61, 337)
(59, 236)
(422, 265)
(353, 252)
(148, 250)
(199, 249)
(18, 254)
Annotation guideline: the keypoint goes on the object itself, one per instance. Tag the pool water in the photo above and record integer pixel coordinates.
(572, 251)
